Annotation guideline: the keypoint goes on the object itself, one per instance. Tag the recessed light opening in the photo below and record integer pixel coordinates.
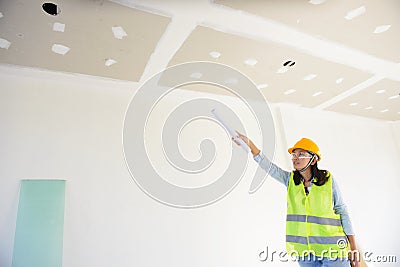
(51, 9)
(289, 63)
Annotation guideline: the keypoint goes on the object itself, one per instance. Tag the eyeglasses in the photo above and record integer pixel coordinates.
(301, 155)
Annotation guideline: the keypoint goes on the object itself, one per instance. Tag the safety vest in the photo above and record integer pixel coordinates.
(312, 227)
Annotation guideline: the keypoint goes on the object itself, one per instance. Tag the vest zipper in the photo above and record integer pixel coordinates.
(307, 224)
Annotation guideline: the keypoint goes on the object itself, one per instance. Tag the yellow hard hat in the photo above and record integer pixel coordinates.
(308, 145)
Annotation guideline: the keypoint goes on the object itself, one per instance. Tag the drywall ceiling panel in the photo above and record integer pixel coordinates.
(380, 100)
(97, 38)
(314, 80)
(367, 25)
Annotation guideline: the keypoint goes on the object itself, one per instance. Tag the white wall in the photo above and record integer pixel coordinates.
(66, 126)
(396, 133)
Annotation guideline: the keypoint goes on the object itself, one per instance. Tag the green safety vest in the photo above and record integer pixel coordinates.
(311, 223)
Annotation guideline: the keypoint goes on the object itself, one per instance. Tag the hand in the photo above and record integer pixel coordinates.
(241, 136)
(355, 258)
(354, 253)
(254, 150)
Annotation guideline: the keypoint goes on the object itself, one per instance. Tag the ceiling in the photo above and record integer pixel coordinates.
(345, 53)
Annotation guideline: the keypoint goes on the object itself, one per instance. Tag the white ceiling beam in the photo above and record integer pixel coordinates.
(359, 87)
(183, 21)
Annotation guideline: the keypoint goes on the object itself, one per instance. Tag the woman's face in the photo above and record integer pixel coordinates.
(300, 158)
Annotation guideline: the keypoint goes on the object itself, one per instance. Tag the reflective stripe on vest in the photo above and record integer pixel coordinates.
(313, 219)
(311, 223)
(315, 239)
(296, 239)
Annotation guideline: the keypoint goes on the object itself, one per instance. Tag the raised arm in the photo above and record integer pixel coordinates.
(276, 172)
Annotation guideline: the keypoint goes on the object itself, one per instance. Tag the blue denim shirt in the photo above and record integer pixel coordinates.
(283, 177)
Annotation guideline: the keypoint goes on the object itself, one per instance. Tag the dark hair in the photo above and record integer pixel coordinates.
(321, 176)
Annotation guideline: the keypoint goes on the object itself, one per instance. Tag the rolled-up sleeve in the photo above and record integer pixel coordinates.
(340, 208)
(277, 173)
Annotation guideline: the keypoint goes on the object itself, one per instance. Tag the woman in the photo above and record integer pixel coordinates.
(318, 227)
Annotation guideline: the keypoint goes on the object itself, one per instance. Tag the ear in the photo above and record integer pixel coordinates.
(314, 160)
